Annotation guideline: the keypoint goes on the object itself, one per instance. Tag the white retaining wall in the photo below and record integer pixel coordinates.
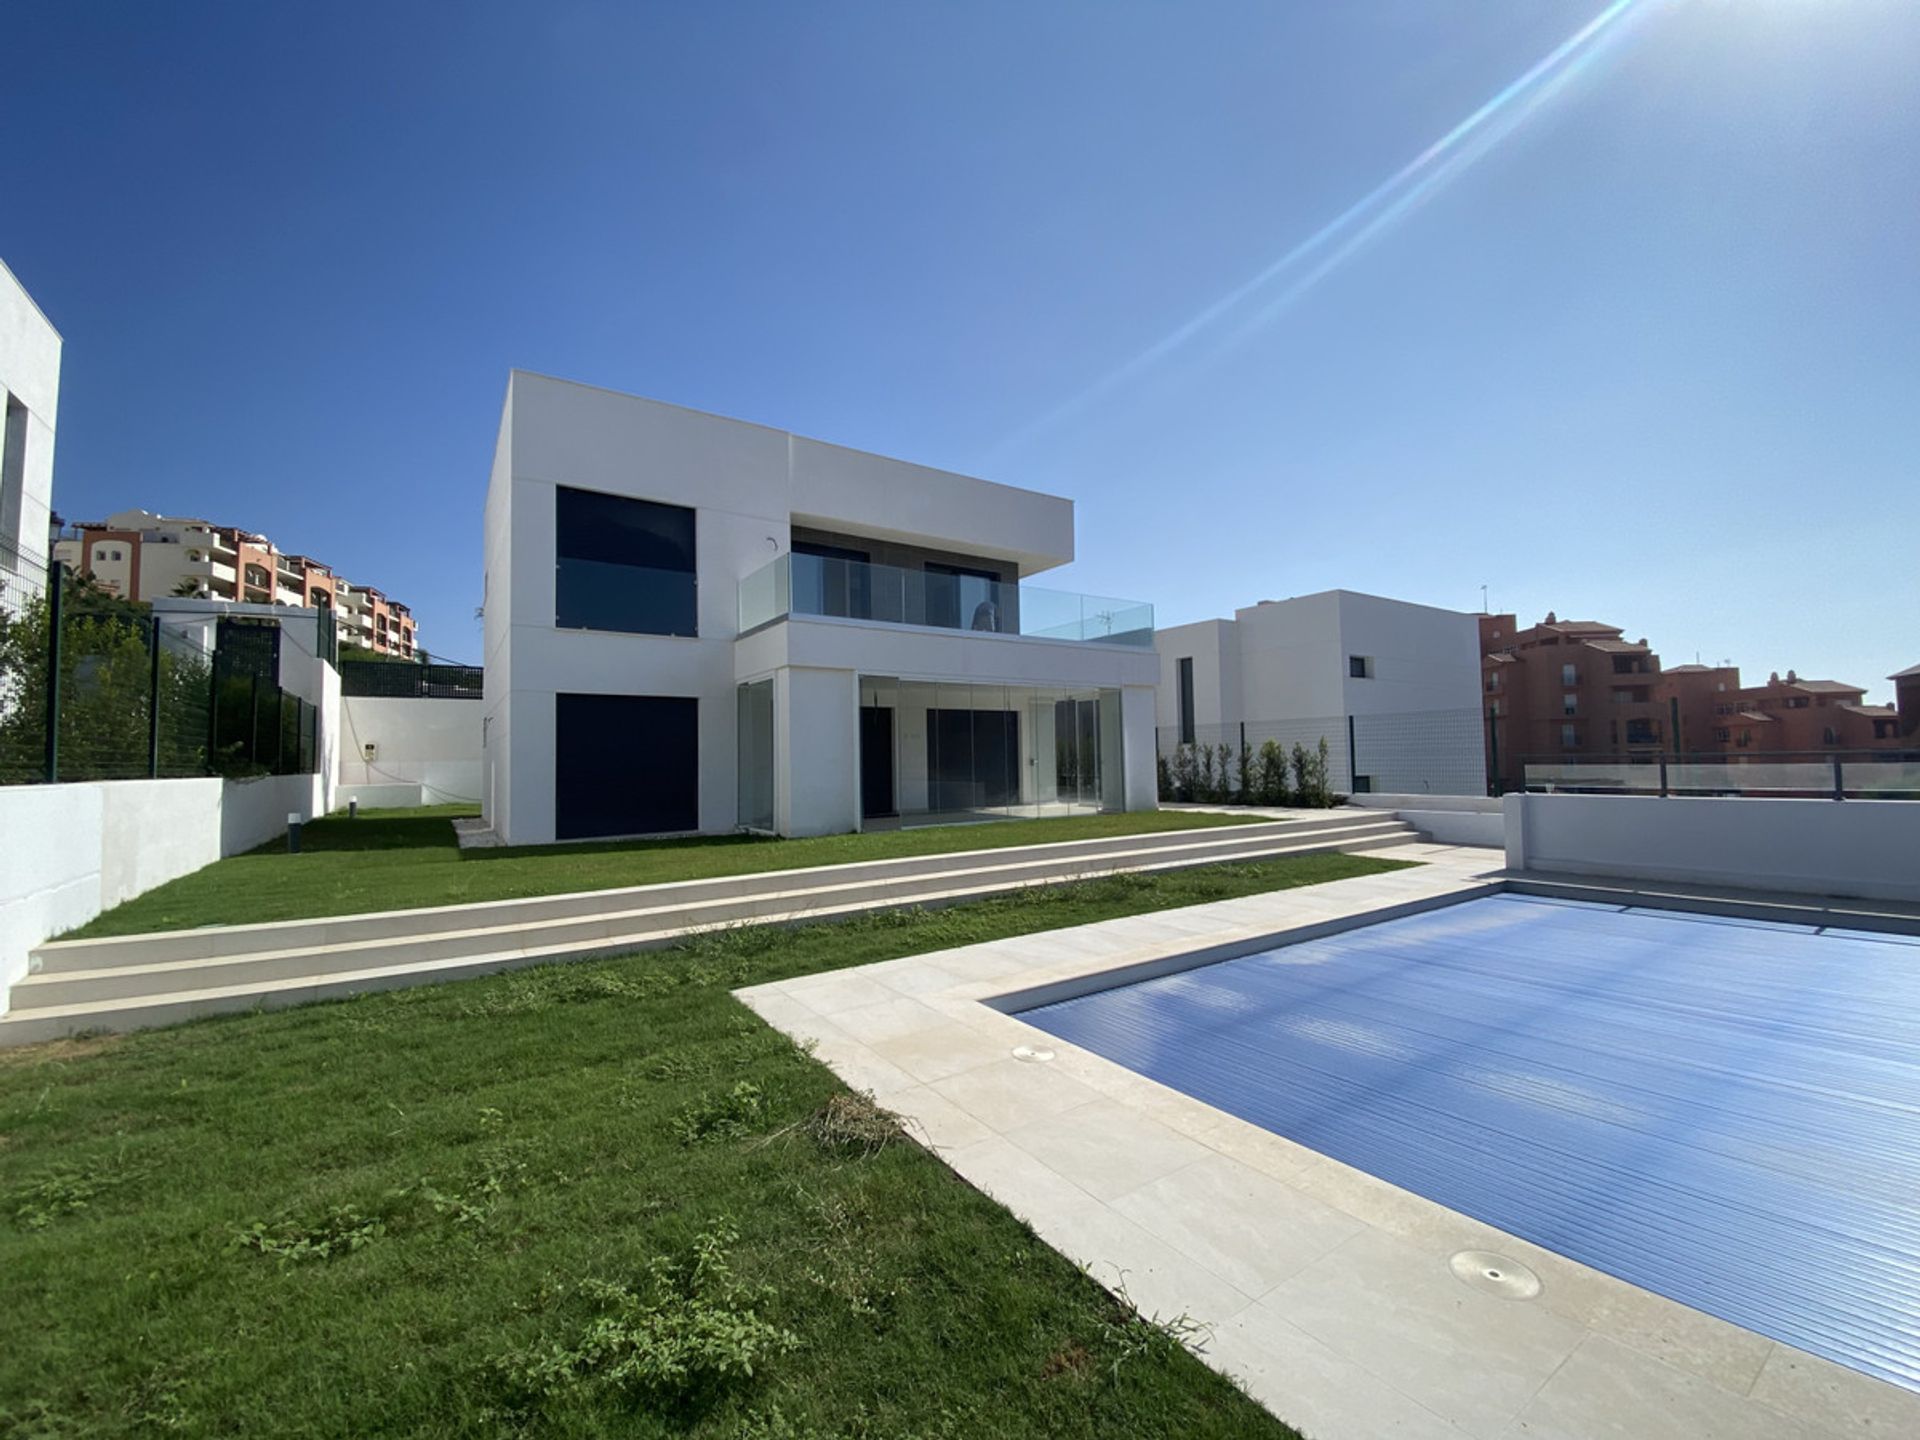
(1854, 848)
(426, 751)
(71, 851)
(1444, 819)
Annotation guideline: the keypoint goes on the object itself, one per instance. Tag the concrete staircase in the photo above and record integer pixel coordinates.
(132, 981)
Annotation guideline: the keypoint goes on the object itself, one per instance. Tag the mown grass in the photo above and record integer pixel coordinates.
(417, 1213)
(400, 859)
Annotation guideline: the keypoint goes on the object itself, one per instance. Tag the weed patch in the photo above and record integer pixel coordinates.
(686, 1335)
(726, 1115)
(65, 1190)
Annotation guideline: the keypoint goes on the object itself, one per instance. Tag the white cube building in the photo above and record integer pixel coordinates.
(697, 625)
(1393, 687)
(30, 398)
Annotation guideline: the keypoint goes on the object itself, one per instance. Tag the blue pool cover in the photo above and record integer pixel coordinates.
(1725, 1112)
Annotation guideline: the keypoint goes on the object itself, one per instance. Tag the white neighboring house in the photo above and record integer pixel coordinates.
(695, 624)
(30, 397)
(1393, 687)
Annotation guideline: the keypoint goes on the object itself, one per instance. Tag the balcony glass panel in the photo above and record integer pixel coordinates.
(947, 598)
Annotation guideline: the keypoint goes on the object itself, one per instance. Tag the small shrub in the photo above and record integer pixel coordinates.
(1243, 791)
(1163, 771)
(1203, 788)
(1224, 786)
(1186, 773)
(690, 1331)
(724, 1116)
(1272, 787)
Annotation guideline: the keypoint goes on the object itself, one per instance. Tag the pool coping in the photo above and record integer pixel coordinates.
(1324, 1291)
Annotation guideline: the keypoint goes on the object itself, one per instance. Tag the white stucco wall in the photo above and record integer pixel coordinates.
(1861, 848)
(67, 852)
(431, 744)
(1283, 669)
(30, 372)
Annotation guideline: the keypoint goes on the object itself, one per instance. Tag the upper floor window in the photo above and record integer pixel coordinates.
(1569, 737)
(623, 564)
(1360, 667)
(1569, 675)
(1570, 703)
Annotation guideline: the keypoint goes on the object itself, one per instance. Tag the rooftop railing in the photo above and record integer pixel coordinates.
(815, 585)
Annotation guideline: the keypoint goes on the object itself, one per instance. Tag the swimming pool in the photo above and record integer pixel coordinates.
(1725, 1112)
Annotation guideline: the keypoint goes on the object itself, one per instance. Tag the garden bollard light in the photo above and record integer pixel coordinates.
(293, 832)
(353, 809)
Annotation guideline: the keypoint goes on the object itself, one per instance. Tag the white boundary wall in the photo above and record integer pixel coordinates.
(426, 751)
(1858, 848)
(74, 850)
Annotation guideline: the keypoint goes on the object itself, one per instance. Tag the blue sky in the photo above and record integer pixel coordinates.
(1648, 352)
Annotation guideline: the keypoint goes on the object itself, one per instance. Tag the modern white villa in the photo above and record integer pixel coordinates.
(1393, 687)
(695, 624)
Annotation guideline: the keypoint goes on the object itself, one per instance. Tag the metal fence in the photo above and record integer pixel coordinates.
(1892, 774)
(395, 680)
(1429, 752)
(93, 687)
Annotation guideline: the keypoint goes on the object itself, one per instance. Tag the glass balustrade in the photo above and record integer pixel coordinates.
(948, 600)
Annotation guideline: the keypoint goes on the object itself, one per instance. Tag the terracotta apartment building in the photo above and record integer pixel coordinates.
(1570, 688)
(144, 556)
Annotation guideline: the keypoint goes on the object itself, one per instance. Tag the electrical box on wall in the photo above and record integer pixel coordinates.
(369, 751)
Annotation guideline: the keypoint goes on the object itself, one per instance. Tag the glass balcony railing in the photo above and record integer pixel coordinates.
(857, 590)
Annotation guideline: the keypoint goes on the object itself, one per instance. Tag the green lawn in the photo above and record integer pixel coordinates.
(477, 1209)
(399, 859)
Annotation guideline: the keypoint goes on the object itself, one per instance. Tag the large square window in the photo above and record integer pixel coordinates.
(623, 564)
(625, 765)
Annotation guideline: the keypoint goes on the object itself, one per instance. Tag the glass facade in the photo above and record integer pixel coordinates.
(756, 755)
(946, 597)
(933, 751)
(623, 564)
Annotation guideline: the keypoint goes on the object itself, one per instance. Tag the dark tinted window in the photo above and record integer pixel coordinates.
(1186, 701)
(625, 765)
(623, 564)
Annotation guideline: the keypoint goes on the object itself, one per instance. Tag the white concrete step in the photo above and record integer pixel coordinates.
(127, 973)
(135, 992)
(207, 941)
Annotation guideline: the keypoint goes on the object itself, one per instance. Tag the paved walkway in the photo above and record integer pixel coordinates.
(1340, 1301)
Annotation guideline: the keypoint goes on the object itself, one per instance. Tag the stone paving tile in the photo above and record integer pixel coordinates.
(839, 990)
(1606, 1391)
(1009, 1093)
(1399, 1311)
(1105, 1147)
(935, 1121)
(914, 979)
(1820, 1392)
(1312, 1386)
(862, 1069)
(890, 1019)
(1244, 1226)
(947, 1050)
